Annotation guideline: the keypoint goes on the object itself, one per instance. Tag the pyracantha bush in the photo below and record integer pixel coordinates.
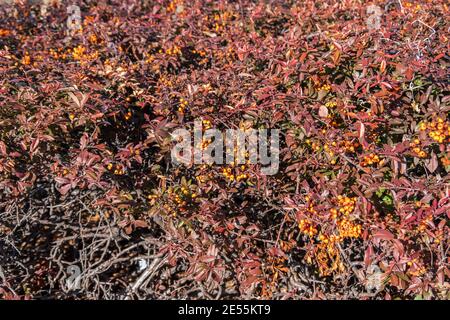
(358, 209)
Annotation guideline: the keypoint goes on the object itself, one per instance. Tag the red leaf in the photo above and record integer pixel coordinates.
(383, 235)
(83, 141)
(368, 256)
(65, 188)
(140, 224)
(3, 148)
(34, 146)
(323, 111)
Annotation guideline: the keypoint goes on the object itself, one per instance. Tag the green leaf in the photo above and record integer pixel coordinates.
(387, 200)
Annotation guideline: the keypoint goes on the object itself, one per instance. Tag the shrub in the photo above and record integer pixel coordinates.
(359, 208)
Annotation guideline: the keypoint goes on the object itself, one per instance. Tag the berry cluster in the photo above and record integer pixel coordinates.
(325, 87)
(370, 159)
(307, 227)
(415, 146)
(79, 53)
(331, 104)
(346, 204)
(175, 50)
(116, 169)
(234, 173)
(438, 130)
(182, 106)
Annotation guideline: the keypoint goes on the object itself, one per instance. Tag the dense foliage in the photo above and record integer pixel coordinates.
(359, 208)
